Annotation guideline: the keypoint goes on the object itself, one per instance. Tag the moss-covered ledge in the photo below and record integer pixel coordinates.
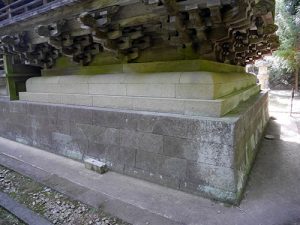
(149, 67)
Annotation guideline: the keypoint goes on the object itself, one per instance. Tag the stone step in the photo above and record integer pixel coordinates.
(195, 107)
(188, 85)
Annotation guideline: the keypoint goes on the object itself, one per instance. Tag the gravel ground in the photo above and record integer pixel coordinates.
(7, 218)
(54, 206)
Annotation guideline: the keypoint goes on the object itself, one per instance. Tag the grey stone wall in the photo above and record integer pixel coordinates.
(200, 155)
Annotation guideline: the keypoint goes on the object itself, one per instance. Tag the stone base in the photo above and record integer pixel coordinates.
(187, 93)
(201, 155)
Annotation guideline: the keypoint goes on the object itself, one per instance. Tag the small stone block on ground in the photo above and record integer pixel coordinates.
(95, 165)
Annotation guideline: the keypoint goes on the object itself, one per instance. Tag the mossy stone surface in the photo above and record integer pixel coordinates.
(149, 67)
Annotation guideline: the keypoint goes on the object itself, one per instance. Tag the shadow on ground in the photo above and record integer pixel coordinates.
(273, 192)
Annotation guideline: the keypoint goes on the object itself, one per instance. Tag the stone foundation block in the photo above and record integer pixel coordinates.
(186, 93)
(206, 156)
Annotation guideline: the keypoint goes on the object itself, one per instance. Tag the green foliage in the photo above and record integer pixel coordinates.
(285, 61)
(292, 6)
(287, 18)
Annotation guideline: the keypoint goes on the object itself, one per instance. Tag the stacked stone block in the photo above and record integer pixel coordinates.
(188, 93)
(200, 155)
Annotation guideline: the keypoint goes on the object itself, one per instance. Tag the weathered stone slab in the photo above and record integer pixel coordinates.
(95, 165)
(199, 151)
(187, 93)
(69, 146)
(195, 107)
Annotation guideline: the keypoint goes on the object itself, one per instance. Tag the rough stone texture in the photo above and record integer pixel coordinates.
(201, 155)
(95, 165)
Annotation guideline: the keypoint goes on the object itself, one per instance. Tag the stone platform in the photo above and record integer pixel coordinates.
(201, 155)
(194, 93)
(191, 125)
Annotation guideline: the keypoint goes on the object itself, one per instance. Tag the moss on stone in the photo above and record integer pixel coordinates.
(64, 62)
(150, 67)
(105, 58)
(167, 53)
(181, 66)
